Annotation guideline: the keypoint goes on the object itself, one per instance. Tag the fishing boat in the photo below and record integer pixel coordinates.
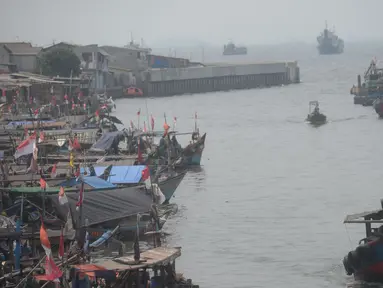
(365, 263)
(314, 116)
(132, 91)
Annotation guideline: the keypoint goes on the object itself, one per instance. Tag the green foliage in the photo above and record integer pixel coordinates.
(59, 61)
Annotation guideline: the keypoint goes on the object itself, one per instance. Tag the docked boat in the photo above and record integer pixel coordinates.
(365, 263)
(371, 88)
(314, 116)
(133, 91)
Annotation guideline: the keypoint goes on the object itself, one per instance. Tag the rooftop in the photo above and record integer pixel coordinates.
(20, 48)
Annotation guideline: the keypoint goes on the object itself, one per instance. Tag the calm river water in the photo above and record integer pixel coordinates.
(267, 206)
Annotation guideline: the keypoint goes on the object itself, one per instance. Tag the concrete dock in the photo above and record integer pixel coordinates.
(220, 77)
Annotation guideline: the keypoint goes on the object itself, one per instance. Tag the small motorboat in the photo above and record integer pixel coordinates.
(133, 91)
(314, 116)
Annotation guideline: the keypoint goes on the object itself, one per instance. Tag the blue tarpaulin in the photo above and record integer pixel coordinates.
(92, 181)
(121, 174)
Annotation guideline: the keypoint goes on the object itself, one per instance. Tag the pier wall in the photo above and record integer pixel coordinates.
(174, 81)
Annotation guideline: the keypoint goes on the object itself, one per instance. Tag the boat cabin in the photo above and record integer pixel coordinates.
(367, 218)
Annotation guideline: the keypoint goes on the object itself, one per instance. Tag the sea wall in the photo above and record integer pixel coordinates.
(174, 81)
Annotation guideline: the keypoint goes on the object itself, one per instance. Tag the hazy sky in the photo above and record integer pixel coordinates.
(168, 22)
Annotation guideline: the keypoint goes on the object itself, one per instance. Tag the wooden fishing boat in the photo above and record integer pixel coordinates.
(315, 117)
(366, 261)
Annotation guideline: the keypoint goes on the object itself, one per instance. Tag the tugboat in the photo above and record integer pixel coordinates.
(315, 117)
(366, 261)
(231, 49)
(329, 42)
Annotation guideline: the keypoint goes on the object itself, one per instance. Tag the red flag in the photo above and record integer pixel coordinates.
(97, 113)
(36, 111)
(166, 128)
(139, 112)
(145, 173)
(152, 122)
(43, 184)
(76, 145)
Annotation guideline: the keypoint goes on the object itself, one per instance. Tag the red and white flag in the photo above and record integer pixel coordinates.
(52, 272)
(62, 197)
(26, 147)
(145, 127)
(53, 172)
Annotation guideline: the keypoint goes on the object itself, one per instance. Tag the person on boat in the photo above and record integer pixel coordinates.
(316, 109)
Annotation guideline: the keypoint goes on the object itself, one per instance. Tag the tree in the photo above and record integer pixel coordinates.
(59, 61)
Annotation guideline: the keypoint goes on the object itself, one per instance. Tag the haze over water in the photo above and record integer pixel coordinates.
(267, 207)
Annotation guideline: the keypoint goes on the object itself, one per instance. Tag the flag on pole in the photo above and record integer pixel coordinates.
(139, 112)
(52, 272)
(53, 172)
(62, 197)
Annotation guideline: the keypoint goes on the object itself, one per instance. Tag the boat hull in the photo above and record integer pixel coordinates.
(366, 262)
(169, 186)
(193, 153)
(316, 119)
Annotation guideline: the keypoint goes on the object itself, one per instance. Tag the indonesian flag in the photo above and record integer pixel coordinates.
(62, 197)
(152, 122)
(53, 172)
(26, 147)
(52, 272)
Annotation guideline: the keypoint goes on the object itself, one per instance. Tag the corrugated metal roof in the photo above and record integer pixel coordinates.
(21, 48)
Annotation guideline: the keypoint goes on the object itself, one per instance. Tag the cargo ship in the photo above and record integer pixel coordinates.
(231, 49)
(329, 42)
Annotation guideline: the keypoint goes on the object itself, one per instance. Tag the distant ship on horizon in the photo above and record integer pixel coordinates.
(231, 49)
(329, 42)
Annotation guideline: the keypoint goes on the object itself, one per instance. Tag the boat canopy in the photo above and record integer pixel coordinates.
(101, 206)
(374, 216)
(92, 181)
(120, 174)
(106, 141)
